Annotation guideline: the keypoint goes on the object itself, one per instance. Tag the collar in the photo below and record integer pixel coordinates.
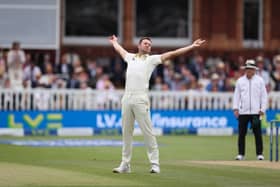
(251, 77)
(141, 56)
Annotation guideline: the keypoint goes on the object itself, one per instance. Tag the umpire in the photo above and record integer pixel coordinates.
(249, 105)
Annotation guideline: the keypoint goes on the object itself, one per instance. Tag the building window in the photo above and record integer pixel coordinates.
(168, 24)
(91, 21)
(252, 23)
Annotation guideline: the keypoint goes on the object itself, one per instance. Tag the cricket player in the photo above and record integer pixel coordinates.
(135, 102)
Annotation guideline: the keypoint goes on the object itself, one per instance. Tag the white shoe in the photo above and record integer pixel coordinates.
(123, 168)
(155, 168)
(239, 157)
(260, 157)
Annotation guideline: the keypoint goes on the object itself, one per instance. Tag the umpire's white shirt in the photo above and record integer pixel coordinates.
(250, 96)
(139, 71)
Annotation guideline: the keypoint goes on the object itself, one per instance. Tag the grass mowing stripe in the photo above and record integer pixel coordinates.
(13, 174)
(93, 165)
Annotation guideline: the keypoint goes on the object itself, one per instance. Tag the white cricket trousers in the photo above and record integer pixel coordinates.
(136, 106)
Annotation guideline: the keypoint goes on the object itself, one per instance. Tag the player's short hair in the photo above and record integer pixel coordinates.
(145, 38)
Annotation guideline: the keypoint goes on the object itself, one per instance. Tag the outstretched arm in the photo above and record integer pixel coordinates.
(172, 54)
(114, 41)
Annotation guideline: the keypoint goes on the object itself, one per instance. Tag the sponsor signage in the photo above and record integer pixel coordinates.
(169, 121)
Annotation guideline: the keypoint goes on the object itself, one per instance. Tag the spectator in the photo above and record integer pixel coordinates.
(82, 75)
(15, 61)
(3, 75)
(104, 85)
(266, 62)
(158, 84)
(59, 83)
(104, 82)
(186, 75)
(204, 79)
(211, 63)
(276, 74)
(197, 63)
(193, 83)
(71, 57)
(64, 69)
(177, 82)
(118, 75)
(48, 79)
(228, 85)
(46, 59)
(214, 85)
(261, 71)
(235, 66)
(73, 82)
(31, 74)
(168, 72)
(76, 64)
(99, 73)
(91, 67)
(221, 71)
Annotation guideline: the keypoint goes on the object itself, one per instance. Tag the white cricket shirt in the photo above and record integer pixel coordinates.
(139, 71)
(250, 95)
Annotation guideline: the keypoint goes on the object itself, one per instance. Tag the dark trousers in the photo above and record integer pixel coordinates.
(243, 121)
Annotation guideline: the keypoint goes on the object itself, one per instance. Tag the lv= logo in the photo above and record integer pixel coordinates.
(52, 120)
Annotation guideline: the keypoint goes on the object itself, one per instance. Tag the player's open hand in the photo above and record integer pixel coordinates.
(198, 43)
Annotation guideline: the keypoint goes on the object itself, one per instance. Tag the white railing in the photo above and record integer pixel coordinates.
(41, 99)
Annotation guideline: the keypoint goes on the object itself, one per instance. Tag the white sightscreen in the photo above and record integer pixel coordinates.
(34, 23)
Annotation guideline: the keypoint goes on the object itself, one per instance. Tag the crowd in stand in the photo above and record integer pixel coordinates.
(21, 70)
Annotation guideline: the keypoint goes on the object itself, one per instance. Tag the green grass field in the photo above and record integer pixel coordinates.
(92, 166)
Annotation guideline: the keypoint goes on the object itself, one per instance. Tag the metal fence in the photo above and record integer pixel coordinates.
(43, 99)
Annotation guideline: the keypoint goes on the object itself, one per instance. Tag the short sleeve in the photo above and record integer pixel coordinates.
(128, 57)
(155, 59)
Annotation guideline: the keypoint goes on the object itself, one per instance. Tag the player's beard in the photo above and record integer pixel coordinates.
(145, 50)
